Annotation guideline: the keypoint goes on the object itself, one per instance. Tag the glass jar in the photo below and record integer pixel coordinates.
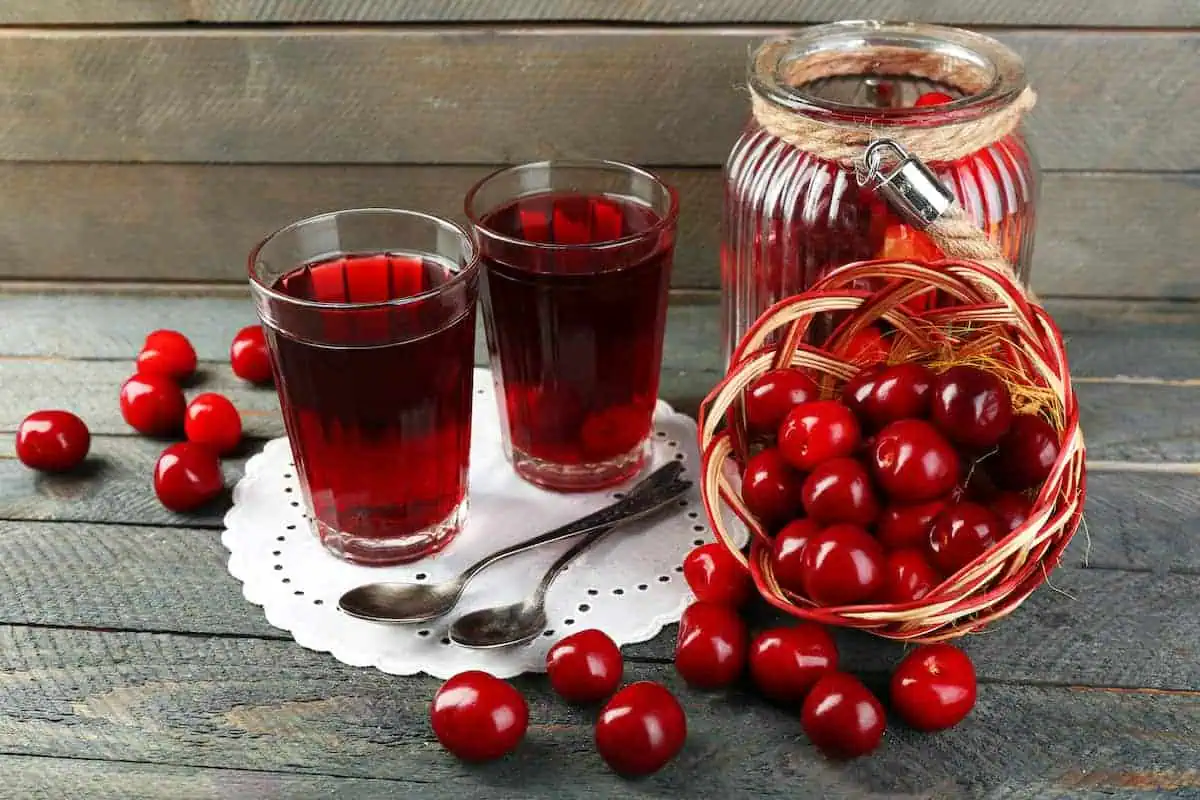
(791, 213)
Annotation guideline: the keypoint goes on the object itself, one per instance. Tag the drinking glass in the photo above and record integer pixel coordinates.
(369, 315)
(577, 269)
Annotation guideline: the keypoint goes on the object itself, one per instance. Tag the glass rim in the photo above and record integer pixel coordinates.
(1007, 79)
(664, 222)
(470, 268)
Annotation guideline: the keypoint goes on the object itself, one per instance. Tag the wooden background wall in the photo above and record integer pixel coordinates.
(152, 140)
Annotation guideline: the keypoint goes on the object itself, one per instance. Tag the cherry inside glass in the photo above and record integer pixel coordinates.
(369, 317)
(576, 273)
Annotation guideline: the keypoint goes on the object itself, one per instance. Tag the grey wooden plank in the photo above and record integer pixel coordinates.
(1157, 13)
(1122, 234)
(489, 95)
(252, 704)
(49, 778)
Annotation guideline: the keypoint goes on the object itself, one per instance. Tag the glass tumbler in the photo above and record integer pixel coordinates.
(369, 316)
(576, 273)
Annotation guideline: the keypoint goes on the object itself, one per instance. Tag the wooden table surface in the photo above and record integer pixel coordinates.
(130, 665)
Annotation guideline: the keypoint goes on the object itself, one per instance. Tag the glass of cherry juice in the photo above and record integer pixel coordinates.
(576, 271)
(369, 316)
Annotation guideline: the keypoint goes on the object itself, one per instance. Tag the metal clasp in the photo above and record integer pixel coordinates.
(909, 186)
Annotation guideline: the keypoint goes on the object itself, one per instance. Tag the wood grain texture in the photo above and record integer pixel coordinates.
(1099, 234)
(496, 95)
(1090, 13)
(272, 706)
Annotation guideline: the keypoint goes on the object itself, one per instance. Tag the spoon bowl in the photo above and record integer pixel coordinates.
(503, 626)
(402, 602)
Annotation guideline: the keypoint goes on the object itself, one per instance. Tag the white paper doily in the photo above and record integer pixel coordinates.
(629, 585)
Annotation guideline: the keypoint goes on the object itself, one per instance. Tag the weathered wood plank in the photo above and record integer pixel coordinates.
(178, 222)
(258, 705)
(654, 96)
(1156, 13)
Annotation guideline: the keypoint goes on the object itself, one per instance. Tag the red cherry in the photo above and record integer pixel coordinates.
(934, 687)
(715, 576)
(817, 431)
(187, 476)
(961, 534)
(711, 649)
(212, 420)
(971, 406)
(585, 667)
(1012, 509)
(913, 462)
(902, 391)
(933, 99)
(772, 395)
(787, 553)
(167, 353)
(908, 525)
(908, 576)
(52, 441)
(152, 404)
(840, 491)
(867, 347)
(843, 565)
(640, 729)
(857, 391)
(786, 662)
(478, 717)
(770, 488)
(841, 716)
(1027, 453)
(248, 355)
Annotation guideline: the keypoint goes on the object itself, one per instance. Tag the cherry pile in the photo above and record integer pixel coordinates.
(188, 473)
(882, 494)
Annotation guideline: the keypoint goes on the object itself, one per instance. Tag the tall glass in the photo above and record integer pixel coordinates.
(369, 315)
(577, 269)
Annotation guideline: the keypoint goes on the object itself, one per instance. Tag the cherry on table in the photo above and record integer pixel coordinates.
(1012, 508)
(818, 431)
(248, 355)
(901, 391)
(52, 441)
(710, 651)
(971, 406)
(715, 576)
(840, 490)
(478, 717)
(843, 565)
(774, 393)
(841, 716)
(913, 462)
(786, 662)
(213, 421)
(1026, 454)
(167, 353)
(152, 404)
(908, 576)
(787, 553)
(934, 687)
(187, 476)
(585, 667)
(640, 729)
(771, 488)
(908, 525)
(962, 533)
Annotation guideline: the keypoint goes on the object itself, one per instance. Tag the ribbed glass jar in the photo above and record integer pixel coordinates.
(791, 216)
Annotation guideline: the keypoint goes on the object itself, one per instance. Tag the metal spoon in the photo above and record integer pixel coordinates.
(418, 602)
(502, 626)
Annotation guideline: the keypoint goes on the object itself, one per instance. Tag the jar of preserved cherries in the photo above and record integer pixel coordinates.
(794, 207)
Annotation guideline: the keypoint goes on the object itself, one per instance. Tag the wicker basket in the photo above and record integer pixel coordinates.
(989, 321)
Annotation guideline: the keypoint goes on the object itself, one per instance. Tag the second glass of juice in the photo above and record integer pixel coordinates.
(576, 272)
(369, 317)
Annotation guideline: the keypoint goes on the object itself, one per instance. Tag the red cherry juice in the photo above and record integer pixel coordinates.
(575, 332)
(377, 401)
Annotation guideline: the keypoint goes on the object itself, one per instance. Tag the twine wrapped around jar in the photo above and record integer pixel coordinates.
(991, 321)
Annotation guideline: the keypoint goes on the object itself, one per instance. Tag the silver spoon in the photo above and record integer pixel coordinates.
(502, 626)
(418, 602)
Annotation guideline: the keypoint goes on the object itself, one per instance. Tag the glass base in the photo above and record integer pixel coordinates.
(580, 477)
(373, 551)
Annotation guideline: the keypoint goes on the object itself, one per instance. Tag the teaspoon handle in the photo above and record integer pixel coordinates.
(659, 487)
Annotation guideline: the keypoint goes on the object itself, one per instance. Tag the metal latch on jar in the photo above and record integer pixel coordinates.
(907, 184)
